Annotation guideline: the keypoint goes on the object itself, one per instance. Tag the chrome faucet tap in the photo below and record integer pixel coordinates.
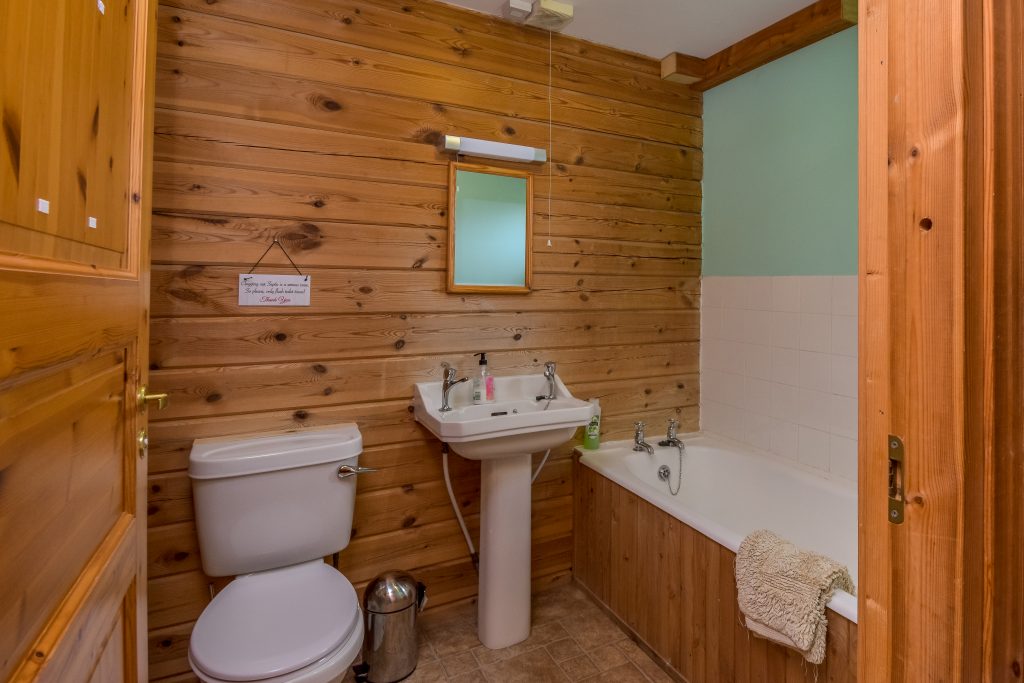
(671, 439)
(639, 445)
(447, 383)
(549, 375)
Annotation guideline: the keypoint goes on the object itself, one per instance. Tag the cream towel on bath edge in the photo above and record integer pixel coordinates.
(782, 592)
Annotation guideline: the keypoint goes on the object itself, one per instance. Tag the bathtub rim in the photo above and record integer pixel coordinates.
(842, 603)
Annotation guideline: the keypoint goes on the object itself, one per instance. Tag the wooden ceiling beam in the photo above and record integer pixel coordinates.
(685, 69)
(800, 29)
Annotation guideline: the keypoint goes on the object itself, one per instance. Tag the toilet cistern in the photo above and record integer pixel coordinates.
(268, 508)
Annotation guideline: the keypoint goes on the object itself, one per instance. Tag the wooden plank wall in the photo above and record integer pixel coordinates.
(676, 590)
(317, 121)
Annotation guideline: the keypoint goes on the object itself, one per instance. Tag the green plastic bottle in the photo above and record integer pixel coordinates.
(592, 432)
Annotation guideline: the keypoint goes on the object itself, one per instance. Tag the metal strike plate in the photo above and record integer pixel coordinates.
(897, 498)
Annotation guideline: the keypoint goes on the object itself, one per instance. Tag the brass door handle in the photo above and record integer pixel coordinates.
(145, 398)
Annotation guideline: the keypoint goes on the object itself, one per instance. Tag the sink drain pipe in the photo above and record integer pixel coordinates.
(473, 555)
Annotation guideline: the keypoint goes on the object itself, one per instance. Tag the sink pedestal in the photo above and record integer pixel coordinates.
(502, 436)
(504, 598)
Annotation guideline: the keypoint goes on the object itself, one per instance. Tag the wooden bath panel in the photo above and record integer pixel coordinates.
(675, 589)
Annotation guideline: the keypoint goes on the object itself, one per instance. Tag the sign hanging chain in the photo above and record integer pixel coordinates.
(283, 251)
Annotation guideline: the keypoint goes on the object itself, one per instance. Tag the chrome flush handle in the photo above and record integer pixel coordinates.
(346, 471)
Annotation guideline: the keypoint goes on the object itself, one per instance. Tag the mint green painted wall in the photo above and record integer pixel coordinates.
(780, 166)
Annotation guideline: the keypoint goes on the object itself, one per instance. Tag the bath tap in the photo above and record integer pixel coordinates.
(549, 375)
(639, 445)
(448, 382)
(670, 438)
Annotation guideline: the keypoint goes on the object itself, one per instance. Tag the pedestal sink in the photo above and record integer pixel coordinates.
(502, 436)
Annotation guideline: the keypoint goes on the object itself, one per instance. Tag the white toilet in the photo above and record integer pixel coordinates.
(269, 508)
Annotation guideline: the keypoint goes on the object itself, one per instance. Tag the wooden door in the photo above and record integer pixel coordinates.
(942, 339)
(75, 110)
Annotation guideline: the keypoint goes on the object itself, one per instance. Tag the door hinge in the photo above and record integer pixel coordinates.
(897, 484)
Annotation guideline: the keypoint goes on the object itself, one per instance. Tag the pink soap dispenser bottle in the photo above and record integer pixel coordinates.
(483, 385)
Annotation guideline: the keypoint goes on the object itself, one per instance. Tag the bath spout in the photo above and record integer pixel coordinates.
(639, 445)
(671, 439)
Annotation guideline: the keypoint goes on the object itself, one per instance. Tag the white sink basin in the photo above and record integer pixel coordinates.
(503, 435)
(515, 424)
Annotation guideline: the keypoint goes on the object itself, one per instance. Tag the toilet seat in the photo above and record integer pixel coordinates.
(273, 625)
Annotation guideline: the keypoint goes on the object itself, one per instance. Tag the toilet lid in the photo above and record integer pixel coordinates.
(271, 623)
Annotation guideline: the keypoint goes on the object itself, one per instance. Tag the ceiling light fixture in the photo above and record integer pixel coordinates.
(550, 15)
(494, 150)
(517, 10)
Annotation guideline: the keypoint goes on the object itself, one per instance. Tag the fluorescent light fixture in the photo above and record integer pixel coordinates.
(494, 150)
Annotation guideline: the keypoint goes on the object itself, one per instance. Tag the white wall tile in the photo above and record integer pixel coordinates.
(758, 432)
(710, 323)
(815, 409)
(813, 448)
(844, 375)
(786, 366)
(786, 294)
(742, 289)
(757, 396)
(816, 295)
(759, 293)
(785, 439)
(785, 402)
(844, 295)
(843, 416)
(758, 327)
(734, 324)
(757, 362)
(739, 357)
(842, 454)
(732, 356)
(815, 332)
(712, 385)
(710, 354)
(779, 367)
(815, 371)
(735, 419)
(785, 330)
(713, 416)
(844, 336)
(731, 292)
(733, 389)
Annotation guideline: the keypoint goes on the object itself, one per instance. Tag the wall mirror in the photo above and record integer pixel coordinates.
(490, 229)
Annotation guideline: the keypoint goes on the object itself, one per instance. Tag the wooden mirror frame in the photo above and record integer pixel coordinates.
(453, 169)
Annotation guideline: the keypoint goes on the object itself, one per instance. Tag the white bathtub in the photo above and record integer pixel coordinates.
(729, 490)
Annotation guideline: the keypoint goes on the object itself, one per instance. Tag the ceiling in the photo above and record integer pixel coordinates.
(658, 27)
